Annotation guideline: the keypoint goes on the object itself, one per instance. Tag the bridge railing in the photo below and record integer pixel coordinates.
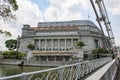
(107, 72)
(67, 72)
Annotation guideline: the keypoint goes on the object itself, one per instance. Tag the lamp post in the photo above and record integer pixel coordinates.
(18, 42)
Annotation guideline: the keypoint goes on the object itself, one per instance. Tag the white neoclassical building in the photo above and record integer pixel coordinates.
(59, 39)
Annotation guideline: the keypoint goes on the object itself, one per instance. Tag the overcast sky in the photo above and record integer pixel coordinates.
(33, 11)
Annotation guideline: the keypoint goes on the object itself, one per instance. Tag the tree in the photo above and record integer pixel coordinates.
(7, 7)
(100, 51)
(11, 44)
(80, 44)
(95, 52)
(6, 33)
(30, 46)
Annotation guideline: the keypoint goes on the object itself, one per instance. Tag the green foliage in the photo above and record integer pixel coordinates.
(80, 44)
(13, 54)
(6, 33)
(6, 9)
(11, 44)
(6, 12)
(14, 5)
(100, 51)
(94, 51)
(30, 46)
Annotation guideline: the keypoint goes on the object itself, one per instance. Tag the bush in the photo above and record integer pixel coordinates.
(80, 44)
(30, 46)
(100, 52)
(13, 54)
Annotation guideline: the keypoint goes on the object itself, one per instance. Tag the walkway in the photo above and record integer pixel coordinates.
(118, 73)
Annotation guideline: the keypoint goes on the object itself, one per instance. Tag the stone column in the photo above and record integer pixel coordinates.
(58, 44)
(65, 44)
(52, 45)
(45, 44)
(39, 44)
(54, 57)
(72, 42)
(47, 58)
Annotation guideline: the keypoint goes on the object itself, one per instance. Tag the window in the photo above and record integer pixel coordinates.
(67, 58)
(50, 58)
(96, 43)
(43, 58)
(36, 41)
(59, 58)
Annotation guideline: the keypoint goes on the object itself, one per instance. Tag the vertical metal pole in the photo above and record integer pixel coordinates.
(24, 77)
(61, 74)
(17, 43)
(97, 17)
(78, 72)
(106, 21)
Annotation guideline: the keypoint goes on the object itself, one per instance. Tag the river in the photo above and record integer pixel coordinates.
(8, 70)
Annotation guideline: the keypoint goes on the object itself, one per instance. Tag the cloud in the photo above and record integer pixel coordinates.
(28, 13)
(62, 10)
(7, 27)
(57, 10)
(113, 6)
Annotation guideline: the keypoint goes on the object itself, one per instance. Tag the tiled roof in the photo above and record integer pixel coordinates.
(56, 28)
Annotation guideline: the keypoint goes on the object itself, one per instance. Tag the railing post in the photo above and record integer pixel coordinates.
(61, 77)
(24, 77)
(78, 71)
(74, 71)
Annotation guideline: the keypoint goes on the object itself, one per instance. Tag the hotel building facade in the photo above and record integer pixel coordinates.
(59, 39)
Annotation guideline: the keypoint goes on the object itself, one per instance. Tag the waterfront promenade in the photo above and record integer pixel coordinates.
(118, 70)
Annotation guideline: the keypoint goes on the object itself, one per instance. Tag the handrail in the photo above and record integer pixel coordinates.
(66, 72)
(107, 72)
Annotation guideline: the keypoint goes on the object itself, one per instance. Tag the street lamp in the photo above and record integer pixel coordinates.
(18, 42)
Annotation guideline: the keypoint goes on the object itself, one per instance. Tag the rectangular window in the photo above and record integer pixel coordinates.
(36, 41)
(43, 58)
(96, 43)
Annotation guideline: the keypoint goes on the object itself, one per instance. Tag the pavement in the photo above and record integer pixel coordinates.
(118, 70)
(118, 73)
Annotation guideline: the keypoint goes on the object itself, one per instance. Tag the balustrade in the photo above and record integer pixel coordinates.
(67, 72)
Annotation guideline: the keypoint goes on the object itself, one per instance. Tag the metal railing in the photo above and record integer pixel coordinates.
(68, 72)
(107, 72)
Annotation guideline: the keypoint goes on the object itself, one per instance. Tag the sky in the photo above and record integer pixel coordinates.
(33, 11)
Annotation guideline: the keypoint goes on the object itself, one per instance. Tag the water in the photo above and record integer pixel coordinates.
(8, 70)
